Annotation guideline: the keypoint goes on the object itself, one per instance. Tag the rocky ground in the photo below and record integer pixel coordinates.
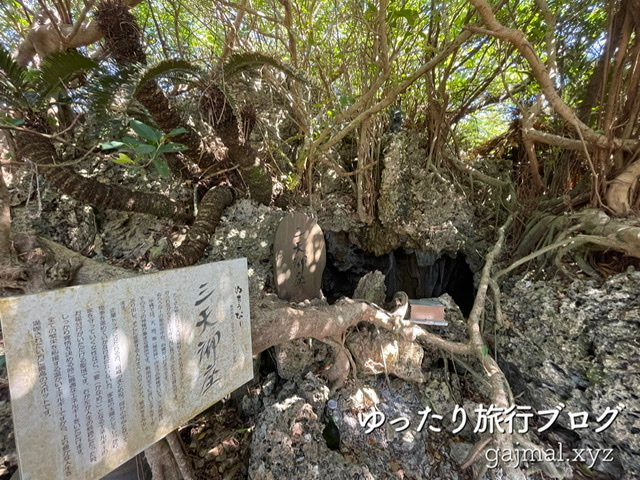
(273, 426)
(560, 341)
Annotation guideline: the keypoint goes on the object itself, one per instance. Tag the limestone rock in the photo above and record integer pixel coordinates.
(293, 358)
(371, 288)
(576, 345)
(247, 229)
(380, 352)
(424, 208)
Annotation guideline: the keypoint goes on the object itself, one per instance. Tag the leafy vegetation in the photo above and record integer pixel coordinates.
(147, 149)
(529, 108)
(551, 87)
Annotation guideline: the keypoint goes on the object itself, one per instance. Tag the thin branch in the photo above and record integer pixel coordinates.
(28, 12)
(528, 115)
(466, 168)
(53, 165)
(475, 452)
(163, 43)
(550, 39)
(53, 137)
(341, 171)
(251, 11)
(76, 28)
(232, 36)
(206, 173)
(52, 19)
(521, 42)
(355, 109)
(596, 186)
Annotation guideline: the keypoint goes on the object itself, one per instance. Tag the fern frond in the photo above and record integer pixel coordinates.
(172, 68)
(240, 62)
(12, 74)
(58, 67)
(102, 89)
(7, 93)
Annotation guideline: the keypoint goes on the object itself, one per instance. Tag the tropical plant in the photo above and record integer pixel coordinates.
(36, 89)
(147, 149)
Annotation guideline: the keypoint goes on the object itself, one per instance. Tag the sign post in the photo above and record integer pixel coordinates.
(300, 258)
(97, 373)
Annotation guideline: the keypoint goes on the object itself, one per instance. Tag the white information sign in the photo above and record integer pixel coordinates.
(99, 372)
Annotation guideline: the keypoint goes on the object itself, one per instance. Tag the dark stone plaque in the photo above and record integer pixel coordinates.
(300, 257)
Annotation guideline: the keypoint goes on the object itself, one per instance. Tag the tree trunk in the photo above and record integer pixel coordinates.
(213, 204)
(621, 189)
(122, 36)
(40, 150)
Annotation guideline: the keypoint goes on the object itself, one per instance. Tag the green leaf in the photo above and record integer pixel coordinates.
(58, 67)
(371, 10)
(244, 430)
(132, 141)
(172, 147)
(111, 145)
(485, 350)
(102, 88)
(176, 131)
(292, 180)
(16, 122)
(166, 67)
(240, 62)
(346, 100)
(162, 167)
(123, 158)
(145, 131)
(143, 149)
(409, 14)
(12, 74)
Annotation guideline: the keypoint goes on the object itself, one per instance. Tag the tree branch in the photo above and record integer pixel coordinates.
(518, 38)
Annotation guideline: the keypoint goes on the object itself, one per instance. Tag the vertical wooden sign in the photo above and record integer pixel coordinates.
(300, 258)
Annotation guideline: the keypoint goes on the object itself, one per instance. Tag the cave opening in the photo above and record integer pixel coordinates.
(419, 274)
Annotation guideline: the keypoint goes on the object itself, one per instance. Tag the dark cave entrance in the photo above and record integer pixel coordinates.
(419, 274)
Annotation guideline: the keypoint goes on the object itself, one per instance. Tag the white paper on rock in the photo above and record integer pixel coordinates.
(99, 372)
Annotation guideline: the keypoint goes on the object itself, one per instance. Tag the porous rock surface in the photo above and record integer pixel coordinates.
(287, 441)
(576, 345)
(425, 208)
(247, 229)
